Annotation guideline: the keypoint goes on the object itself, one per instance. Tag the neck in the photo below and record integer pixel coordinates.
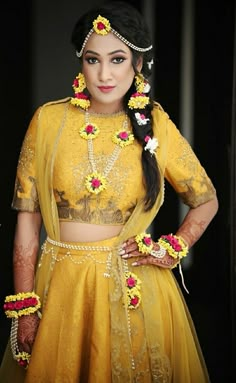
(105, 108)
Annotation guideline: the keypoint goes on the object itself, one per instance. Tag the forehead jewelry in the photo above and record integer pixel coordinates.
(102, 26)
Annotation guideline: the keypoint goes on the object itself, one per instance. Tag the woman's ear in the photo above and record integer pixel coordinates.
(139, 64)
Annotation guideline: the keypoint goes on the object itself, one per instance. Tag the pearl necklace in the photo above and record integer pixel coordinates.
(96, 182)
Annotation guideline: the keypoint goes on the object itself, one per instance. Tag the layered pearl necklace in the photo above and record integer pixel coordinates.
(96, 182)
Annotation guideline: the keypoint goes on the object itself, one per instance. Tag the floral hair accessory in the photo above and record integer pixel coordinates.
(141, 119)
(123, 138)
(95, 183)
(151, 144)
(144, 242)
(89, 131)
(101, 25)
(133, 295)
(21, 304)
(138, 101)
(141, 85)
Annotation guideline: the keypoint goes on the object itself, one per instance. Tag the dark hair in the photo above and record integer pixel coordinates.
(127, 21)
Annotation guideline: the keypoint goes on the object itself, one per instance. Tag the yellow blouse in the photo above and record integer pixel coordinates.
(125, 185)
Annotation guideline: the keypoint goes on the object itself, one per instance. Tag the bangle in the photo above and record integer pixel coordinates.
(144, 242)
(174, 244)
(21, 304)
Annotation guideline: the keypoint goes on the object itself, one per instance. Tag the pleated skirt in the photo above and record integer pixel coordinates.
(88, 335)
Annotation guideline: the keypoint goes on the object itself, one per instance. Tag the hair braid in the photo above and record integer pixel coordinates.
(151, 174)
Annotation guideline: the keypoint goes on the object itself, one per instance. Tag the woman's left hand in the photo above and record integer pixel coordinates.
(130, 250)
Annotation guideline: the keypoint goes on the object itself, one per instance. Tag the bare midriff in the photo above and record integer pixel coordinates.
(86, 232)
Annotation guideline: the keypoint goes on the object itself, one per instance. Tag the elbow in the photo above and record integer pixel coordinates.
(215, 205)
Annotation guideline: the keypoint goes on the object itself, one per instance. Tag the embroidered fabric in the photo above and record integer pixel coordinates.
(71, 166)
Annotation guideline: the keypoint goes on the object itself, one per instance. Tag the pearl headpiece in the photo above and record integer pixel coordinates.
(102, 26)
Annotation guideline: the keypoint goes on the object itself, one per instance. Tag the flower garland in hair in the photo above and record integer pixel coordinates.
(138, 101)
(141, 119)
(151, 144)
(133, 295)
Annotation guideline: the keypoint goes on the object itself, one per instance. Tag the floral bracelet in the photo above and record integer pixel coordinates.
(21, 304)
(174, 245)
(144, 242)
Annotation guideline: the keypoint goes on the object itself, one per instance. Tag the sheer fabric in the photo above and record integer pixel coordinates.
(87, 334)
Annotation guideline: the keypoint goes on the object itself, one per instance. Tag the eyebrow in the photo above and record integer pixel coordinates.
(110, 53)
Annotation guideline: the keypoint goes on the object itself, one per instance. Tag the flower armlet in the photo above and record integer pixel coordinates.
(144, 242)
(21, 304)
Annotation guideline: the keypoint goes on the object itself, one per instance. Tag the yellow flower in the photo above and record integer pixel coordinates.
(101, 25)
(79, 83)
(84, 104)
(144, 242)
(139, 83)
(89, 131)
(123, 138)
(95, 183)
(138, 101)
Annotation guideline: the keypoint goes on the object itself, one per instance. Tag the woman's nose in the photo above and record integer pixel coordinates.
(104, 72)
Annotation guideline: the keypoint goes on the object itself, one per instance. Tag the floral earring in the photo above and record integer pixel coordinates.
(80, 99)
(138, 100)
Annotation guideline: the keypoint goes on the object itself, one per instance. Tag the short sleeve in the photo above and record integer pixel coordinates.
(25, 196)
(185, 172)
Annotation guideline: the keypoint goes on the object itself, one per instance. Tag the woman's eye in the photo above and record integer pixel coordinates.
(92, 60)
(118, 60)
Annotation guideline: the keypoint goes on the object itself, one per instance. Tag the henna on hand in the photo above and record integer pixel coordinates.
(27, 330)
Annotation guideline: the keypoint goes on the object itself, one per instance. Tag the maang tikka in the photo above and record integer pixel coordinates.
(102, 26)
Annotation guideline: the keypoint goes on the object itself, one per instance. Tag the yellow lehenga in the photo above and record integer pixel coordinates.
(87, 333)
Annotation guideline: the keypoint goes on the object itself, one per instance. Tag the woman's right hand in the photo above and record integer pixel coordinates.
(27, 330)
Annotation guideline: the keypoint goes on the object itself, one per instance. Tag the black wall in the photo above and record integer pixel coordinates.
(209, 278)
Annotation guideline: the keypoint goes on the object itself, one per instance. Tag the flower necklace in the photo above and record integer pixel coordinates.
(96, 182)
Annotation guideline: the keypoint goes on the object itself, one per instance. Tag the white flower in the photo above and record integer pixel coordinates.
(147, 87)
(151, 145)
(141, 120)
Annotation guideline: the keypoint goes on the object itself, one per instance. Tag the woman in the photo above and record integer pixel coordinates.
(102, 305)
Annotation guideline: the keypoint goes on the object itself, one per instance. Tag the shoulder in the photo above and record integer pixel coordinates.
(160, 117)
(55, 104)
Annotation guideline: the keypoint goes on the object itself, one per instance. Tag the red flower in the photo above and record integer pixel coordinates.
(19, 305)
(123, 135)
(89, 129)
(131, 282)
(22, 363)
(95, 183)
(134, 301)
(76, 82)
(137, 94)
(147, 241)
(100, 26)
(81, 95)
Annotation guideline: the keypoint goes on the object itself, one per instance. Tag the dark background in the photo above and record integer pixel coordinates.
(35, 68)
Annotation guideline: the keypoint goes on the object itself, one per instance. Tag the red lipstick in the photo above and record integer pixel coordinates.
(106, 89)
